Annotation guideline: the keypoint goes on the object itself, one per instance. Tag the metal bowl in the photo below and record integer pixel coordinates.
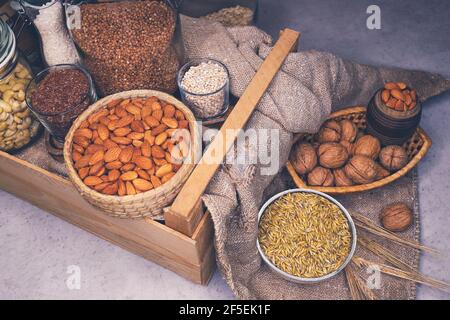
(293, 278)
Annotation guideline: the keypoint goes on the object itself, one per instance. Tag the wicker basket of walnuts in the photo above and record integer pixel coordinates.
(342, 158)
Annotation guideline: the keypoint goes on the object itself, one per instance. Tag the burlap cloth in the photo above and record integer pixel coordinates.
(310, 85)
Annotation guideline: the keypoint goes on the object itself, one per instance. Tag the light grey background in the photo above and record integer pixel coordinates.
(37, 248)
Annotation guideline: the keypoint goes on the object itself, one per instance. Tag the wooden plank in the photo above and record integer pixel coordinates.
(182, 216)
(150, 239)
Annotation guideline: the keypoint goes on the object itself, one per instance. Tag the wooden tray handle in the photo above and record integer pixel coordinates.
(186, 211)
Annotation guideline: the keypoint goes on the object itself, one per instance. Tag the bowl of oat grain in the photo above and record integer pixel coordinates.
(305, 236)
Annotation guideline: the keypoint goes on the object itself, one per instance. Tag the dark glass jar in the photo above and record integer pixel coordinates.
(17, 124)
(391, 126)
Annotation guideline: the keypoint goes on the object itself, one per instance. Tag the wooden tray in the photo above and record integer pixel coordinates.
(416, 147)
(184, 244)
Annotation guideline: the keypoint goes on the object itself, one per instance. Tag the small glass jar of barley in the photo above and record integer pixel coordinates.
(17, 124)
(204, 88)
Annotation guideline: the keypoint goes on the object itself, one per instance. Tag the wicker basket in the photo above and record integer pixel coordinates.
(416, 147)
(150, 203)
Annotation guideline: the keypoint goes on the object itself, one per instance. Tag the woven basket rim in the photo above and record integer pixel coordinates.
(373, 185)
(181, 174)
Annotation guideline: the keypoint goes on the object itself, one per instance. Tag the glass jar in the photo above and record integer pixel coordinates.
(58, 122)
(48, 16)
(205, 104)
(17, 124)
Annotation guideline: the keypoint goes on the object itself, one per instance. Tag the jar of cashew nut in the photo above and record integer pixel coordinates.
(17, 124)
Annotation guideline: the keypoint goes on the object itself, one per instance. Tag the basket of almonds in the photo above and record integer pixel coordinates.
(130, 153)
(343, 157)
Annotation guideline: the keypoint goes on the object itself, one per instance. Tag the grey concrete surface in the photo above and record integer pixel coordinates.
(36, 248)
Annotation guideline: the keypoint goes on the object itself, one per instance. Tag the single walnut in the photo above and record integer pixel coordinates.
(348, 146)
(396, 217)
(303, 158)
(332, 155)
(348, 131)
(330, 132)
(341, 179)
(393, 157)
(368, 146)
(320, 177)
(361, 169)
(381, 172)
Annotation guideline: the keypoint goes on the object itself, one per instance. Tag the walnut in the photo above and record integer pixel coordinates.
(330, 132)
(396, 217)
(368, 146)
(393, 157)
(348, 131)
(332, 155)
(320, 177)
(361, 169)
(381, 172)
(349, 146)
(341, 179)
(303, 158)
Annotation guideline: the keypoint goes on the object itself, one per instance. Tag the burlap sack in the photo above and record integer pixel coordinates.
(310, 85)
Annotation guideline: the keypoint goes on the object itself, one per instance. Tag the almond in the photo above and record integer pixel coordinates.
(122, 132)
(401, 85)
(104, 178)
(157, 152)
(413, 104)
(143, 174)
(113, 117)
(149, 137)
(92, 181)
(121, 140)
(137, 143)
(397, 94)
(104, 121)
(84, 124)
(391, 103)
(93, 118)
(156, 105)
(158, 114)
(112, 125)
(179, 115)
(137, 126)
(170, 122)
(82, 162)
(111, 189)
(156, 182)
(159, 140)
(112, 154)
(98, 141)
(83, 172)
(125, 121)
(85, 132)
(141, 184)
(143, 162)
(109, 144)
(122, 189)
(128, 167)
(385, 96)
(129, 176)
(95, 135)
(101, 186)
(113, 103)
(146, 149)
(97, 157)
(114, 165)
(159, 129)
(159, 162)
(126, 154)
(399, 105)
(167, 177)
(78, 148)
(134, 110)
(408, 100)
(146, 111)
(135, 135)
(103, 132)
(183, 124)
(121, 112)
(391, 86)
(165, 169)
(169, 111)
(130, 188)
(93, 148)
(113, 175)
(151, 121)
(76, 155)
(82, 141)
(95, 169)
